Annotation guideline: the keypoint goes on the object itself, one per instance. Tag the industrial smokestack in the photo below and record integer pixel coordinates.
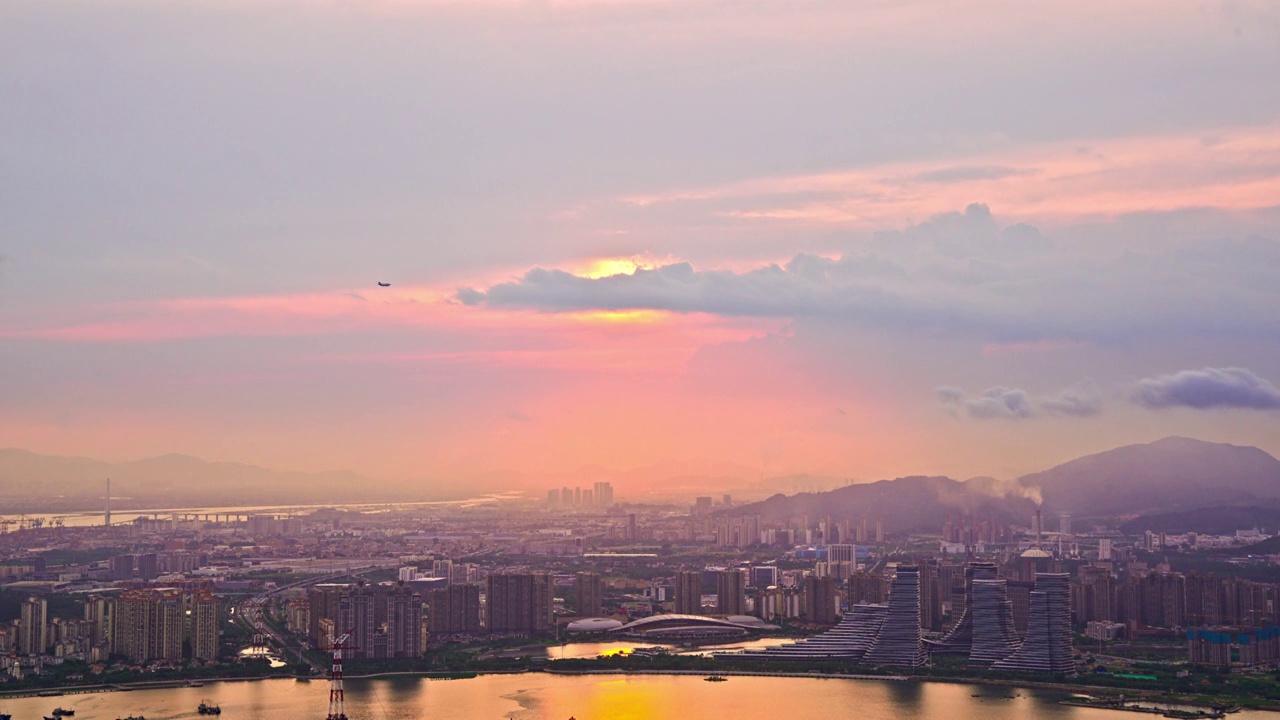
(107, 516)
(1039, 526)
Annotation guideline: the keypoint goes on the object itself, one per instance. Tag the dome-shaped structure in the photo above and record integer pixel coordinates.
(593, 625)
(1035, 553)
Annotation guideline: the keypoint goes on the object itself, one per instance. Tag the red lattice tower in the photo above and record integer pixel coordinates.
(337, 703)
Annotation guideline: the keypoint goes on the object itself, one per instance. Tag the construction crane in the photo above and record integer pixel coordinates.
(337, 703)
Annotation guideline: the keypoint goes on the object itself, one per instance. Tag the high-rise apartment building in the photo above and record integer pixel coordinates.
(465, 573)
(1093, 595)
(385, 621)
(731, 592)
(867, 587)
(689, 592)
(33, 627)
(97, 612)
(404, 622)
(147, 566)
(930, 596)
(323, 601)
(455, 609)
(1104, 549)
(960, 639)
(297, 613)
(586, 594)
(519, 602)
(149, 624)
(1019, 593)
(205, 623)
(821, 601)
(603, 494)
(121, 567)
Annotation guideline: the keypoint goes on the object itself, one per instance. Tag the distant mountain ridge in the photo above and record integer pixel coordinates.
(909, 503)
(1174, 474)
(172, 480)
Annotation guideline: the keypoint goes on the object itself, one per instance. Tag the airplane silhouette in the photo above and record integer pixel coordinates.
(382, 284)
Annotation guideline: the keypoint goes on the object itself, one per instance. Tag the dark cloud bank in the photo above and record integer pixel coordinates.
(1082, 399)
(1206, 388)
(1203, 389)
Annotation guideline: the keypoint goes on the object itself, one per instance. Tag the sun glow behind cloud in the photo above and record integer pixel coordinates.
(195, 271)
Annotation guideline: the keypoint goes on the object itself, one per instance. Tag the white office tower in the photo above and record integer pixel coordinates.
(993, 636)
(960, 639)
(849, 640)
(841, 553)
(1047, 646)
(899, 642)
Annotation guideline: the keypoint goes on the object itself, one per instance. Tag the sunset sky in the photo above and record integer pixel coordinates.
(851, 238)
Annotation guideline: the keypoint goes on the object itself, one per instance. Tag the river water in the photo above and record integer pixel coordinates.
(86, 518)
(541, 696)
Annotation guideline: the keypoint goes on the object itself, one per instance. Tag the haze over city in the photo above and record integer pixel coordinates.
(851, 239)
(547, 359)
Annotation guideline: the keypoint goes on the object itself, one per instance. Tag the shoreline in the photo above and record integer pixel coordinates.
(469, 674)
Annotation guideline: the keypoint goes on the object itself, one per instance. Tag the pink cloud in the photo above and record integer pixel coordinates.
(1234, 170)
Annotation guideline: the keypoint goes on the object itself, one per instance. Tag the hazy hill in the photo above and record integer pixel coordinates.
(905, 504)
(1167, 475)
(169, 480)
(1170, 475)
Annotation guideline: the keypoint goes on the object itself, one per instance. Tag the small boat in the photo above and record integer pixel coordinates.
(60, 712)
(5, 716)
(194, 683)
(715, 678)
(133, 717)
(207, 709)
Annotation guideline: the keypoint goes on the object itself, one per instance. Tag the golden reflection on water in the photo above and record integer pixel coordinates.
(620, 699)
(543, 696)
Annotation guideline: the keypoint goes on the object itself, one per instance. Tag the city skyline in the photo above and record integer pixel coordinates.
(570, 358)
(853, 240)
